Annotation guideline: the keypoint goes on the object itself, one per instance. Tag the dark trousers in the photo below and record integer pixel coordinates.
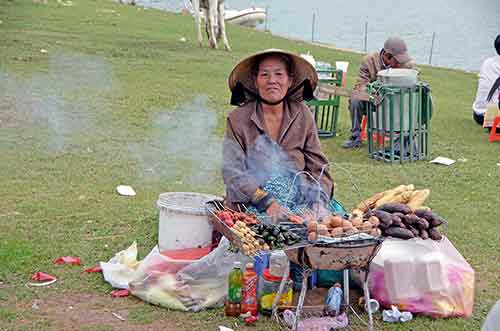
(357, 108)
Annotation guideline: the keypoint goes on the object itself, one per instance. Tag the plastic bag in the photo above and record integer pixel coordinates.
(422, 276)
(121, 268)
(197, 285)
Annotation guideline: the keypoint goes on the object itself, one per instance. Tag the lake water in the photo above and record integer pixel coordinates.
(464, 29)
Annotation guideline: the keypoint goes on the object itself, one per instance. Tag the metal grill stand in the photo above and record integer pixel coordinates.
(309, 265)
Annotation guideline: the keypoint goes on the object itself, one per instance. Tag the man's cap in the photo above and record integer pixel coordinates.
(397, 48)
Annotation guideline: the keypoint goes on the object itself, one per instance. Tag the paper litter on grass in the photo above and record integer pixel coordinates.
(125, 190)
(443, 160)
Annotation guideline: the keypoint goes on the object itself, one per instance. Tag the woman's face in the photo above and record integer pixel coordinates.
(272, 81)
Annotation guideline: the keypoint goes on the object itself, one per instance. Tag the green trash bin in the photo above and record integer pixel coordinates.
(398, 122)
(326, 107)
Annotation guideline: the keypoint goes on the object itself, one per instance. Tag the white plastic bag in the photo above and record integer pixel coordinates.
(121, 268)
(199, 285)
(422, 276)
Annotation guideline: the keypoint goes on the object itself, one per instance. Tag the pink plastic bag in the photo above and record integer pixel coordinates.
(422, 276)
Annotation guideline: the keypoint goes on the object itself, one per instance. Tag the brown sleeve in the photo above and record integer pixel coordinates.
(315, 159)
(363, 77)
(240, 186)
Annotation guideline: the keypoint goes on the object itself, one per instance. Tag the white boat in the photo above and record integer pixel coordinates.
(250, 17)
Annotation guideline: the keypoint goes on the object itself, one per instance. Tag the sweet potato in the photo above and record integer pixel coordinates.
(435, 234)
(424, 234)
(436, 221)
(427, 214)
(423, 224)
(394, 207)
(396, 220)
(413, 230)
(384, 217)
(410, 219)
(400, 215)
(398, 232)
(433, 219)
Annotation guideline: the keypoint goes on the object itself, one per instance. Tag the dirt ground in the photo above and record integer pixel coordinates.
(83, 312)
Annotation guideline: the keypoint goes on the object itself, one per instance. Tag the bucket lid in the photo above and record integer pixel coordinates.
(185, 202)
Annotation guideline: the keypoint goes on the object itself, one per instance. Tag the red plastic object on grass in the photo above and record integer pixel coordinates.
(97, 268)
(494, 136)
(68, 260)
(42, 277)
(250, 320)
(120, 293)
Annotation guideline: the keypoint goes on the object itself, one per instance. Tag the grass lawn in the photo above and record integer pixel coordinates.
(96, 94)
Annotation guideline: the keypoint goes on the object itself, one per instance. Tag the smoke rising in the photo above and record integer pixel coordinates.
(182, 147)
(58, 104)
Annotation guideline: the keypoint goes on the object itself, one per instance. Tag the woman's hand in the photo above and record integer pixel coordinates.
(276, 212)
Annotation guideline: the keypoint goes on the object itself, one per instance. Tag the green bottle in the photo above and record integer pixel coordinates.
(235, 283)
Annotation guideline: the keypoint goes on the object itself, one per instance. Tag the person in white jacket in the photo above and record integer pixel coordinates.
(492, 321)
(488, 74)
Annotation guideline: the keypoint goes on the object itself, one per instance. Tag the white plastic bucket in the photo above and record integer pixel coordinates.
(398, 77)
(183, 220)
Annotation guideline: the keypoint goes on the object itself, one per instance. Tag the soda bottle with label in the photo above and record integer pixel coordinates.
(249, 294)
(235, 284)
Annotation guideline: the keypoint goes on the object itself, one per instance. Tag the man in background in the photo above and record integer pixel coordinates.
(393, 55)
(489, 73)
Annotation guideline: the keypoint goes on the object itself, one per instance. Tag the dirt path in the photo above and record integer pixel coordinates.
(85, 312)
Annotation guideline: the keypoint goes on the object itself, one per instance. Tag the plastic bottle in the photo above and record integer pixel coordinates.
(235, 280)
(333, 300)
(249, 293)
(235, 283)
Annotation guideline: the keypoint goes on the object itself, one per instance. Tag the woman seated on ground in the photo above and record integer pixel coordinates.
(272, 132)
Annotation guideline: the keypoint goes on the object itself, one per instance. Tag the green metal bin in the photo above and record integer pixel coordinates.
(398, 122)
(326, 107)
